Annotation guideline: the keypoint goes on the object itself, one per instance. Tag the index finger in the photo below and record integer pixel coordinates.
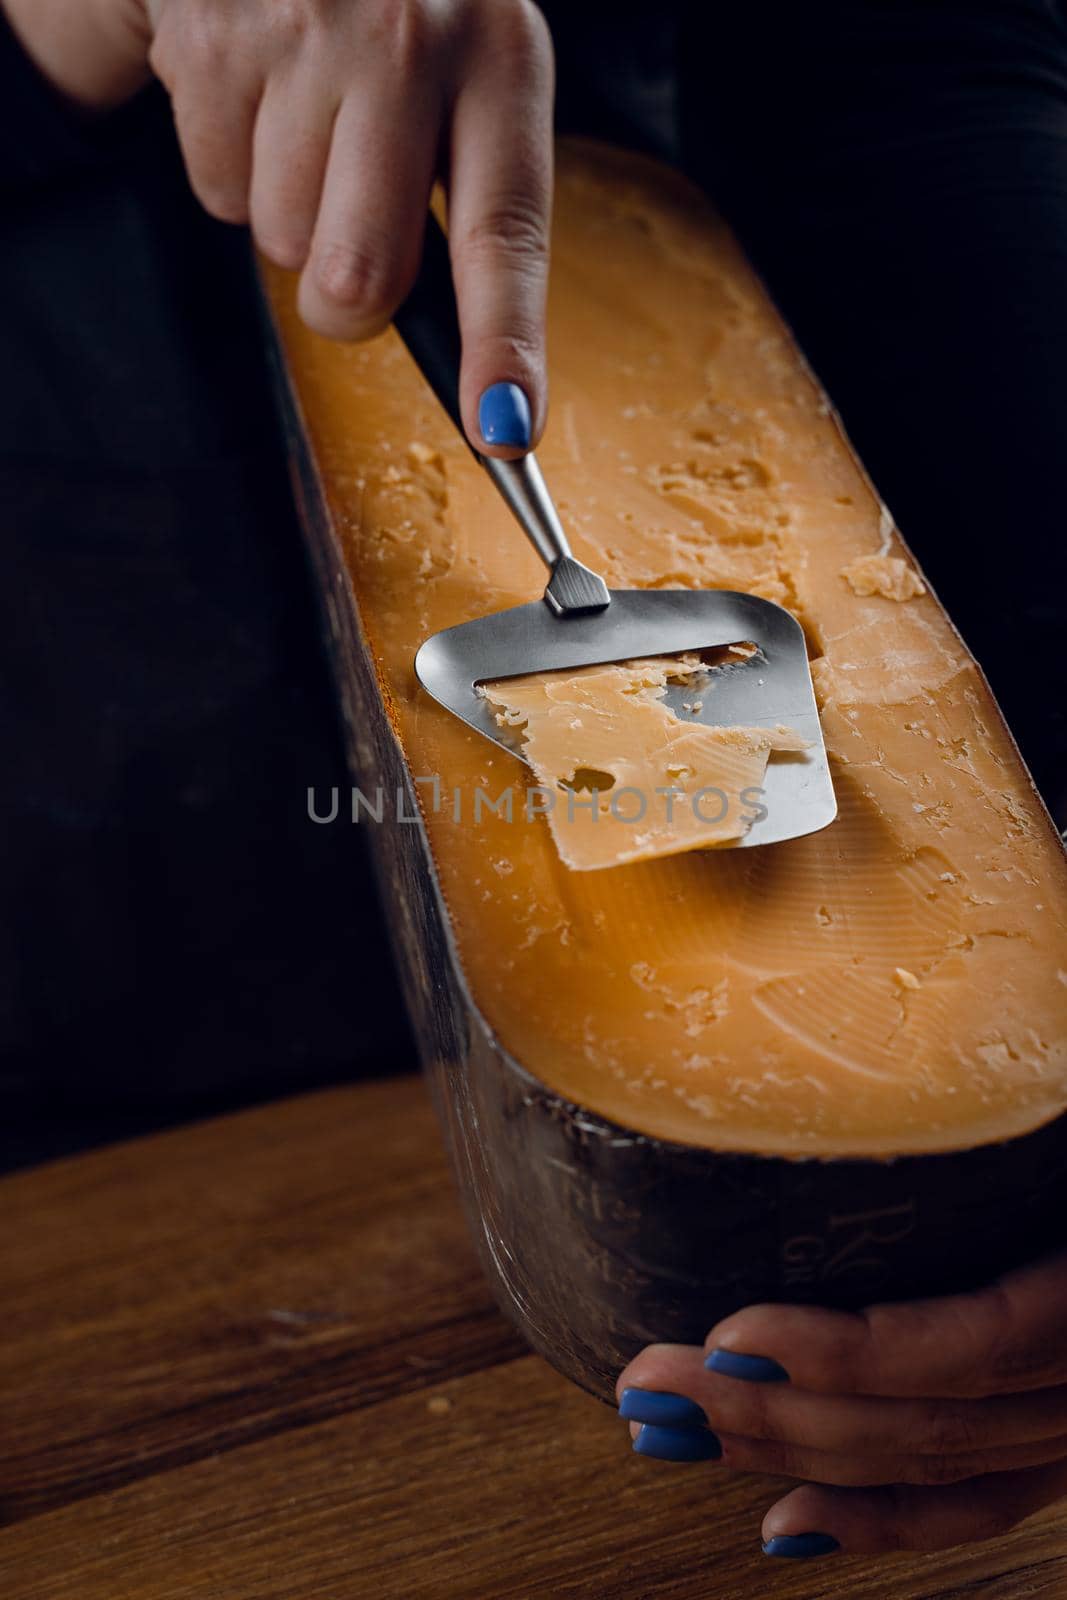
(499, 219)
(1006, 1338)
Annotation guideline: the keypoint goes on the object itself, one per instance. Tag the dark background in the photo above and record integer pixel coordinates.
(175, 937)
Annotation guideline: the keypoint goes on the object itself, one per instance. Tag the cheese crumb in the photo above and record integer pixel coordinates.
(888, 576)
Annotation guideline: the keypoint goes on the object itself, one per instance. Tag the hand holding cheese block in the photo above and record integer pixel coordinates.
(919, 1426)
(831, 1070)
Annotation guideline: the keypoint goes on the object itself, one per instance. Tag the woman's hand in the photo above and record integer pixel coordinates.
(918, 1426)
(323, 123)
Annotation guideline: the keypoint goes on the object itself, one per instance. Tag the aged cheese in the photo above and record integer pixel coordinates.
(746, 1000)
(885, 575)
(623, 777)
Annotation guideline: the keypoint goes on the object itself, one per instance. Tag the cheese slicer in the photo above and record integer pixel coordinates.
(579, 622)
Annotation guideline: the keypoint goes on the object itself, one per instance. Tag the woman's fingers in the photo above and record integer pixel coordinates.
(326, 125)
(368, 232)
(499, 203)
(290, 150)
(774, 1458)
(215, 92)
(849, 1424)
(916, 1426)
(904, 1517)
(372, 215)
(1005, 1338)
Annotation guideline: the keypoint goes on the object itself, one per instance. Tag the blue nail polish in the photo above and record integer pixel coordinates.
(796, 1546)
(756, 1369)
(659, 1407)
(677, 1444)
(504, 415)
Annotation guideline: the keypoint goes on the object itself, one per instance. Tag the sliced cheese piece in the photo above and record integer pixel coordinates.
(624, 778)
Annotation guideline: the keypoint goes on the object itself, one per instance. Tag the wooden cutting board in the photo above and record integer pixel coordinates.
(255, 1359)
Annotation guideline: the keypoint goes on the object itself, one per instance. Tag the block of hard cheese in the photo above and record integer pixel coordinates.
(828, 1067)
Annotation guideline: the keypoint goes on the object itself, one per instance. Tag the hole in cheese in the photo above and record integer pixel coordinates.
(589, 779)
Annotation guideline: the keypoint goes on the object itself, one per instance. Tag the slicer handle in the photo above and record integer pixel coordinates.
(428, 323)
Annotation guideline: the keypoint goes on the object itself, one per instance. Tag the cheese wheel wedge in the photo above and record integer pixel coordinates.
(871, 1019)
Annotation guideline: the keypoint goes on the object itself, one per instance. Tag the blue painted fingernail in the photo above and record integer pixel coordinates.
(504, 415)
(756, 1369)
(659, 1407)
(796, 1546)
(677, 1444)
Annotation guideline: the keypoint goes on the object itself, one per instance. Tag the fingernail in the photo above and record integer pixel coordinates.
(504, 415)
(795, 1546)
(756, 1369)
(659, 1407)
(677, 1444)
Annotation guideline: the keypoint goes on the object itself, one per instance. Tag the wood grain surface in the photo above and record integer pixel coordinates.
(255, 1360)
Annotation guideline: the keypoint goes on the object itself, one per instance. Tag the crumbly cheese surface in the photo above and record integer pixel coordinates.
(888, 576)
(625, 778)
(896, 982)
